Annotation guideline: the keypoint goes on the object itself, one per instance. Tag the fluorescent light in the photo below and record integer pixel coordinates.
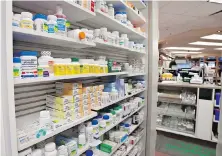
(206, 43)
(213, 37)
(217, 48)
(215, 1)
(185, 52)
(183, 48)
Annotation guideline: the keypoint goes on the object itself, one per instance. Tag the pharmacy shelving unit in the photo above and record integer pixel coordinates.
(23, 99)
(205, 124)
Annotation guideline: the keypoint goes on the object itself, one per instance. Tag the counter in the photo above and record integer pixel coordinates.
(189, 85)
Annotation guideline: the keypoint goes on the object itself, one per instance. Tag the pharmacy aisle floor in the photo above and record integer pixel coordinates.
(176, 145)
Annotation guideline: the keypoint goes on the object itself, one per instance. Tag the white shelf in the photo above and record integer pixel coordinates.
(44, 79)
(132, 15)
(32, 36)
(73, 11)
(175, 132)
(137, 91)
(136, 74)
(109, 128)
(138, 4)
(104, 20)
(57, 131)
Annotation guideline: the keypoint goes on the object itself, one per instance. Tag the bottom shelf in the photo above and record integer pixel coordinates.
(164, 129)
(188, 134)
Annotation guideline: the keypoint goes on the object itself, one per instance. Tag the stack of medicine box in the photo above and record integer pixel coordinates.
(75, 91)
(93, 94)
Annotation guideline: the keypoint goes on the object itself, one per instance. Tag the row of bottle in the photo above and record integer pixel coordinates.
(27, 65)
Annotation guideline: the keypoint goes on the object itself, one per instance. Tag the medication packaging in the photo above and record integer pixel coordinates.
(26, 20)
(46, 62)
(61, 21)
(16, 20)
(28, 64)
(52, 24)
(17, 67)
(40, 23)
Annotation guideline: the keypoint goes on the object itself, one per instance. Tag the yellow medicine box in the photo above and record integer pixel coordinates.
(60, 107)
(59, 99)
(61, 114)
(71, 86)
(61, 92)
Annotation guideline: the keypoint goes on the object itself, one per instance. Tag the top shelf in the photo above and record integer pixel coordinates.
(70, 9)
(132, 15)
(104, 20)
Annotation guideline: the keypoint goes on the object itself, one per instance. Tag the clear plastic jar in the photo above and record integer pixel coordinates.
(26, 20)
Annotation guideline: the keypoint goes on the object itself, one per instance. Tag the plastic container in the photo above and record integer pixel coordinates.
(89, 134)
(17, 67)
(84, 66)
(61, 21)
(127, 128)
(89, 153)
(59, 67)
(107, 120)
(26, 20)
(81, 140)
(217, 99)
(121, 126)
(119, 16)
(37, 152)
(110, 10)
(50, 149)
(124, 19)
(102, 125)
(103, 34)
(52, 24)
(116, 33)
(16, 20)
(45, 120)
(40, 23)
(114, 116)
(95, 126)
(97, 34)
(46, 62)
(63, 151)
(77, 34)
(76, 66)
(69, 66)
(92, 5)
(28, 64)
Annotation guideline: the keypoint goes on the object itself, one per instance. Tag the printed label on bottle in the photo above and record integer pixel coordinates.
(15, 24)
(51, 28)
(61, 22)
(26, 24)
(40, 72)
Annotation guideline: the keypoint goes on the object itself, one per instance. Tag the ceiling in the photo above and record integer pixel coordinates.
(182, 22)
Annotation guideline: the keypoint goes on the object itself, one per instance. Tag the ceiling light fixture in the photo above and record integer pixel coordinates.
(213, 37)
(183, 48)
(217, 48)
(218, 31)
(215, 1)
(206, 43)
(185, 52)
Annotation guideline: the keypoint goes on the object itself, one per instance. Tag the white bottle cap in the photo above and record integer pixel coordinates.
(17, 16)
(45, 53)
(44, 114)
(52, 17)
(26, 15)
(50, 147)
